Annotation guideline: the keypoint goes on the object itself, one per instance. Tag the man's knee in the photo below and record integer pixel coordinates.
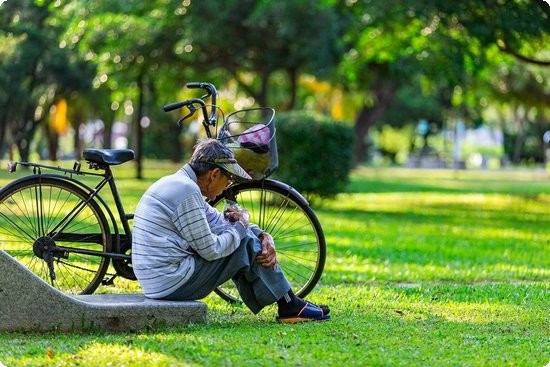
(252, 244)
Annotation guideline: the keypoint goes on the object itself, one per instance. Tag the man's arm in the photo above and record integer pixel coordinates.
(191, 221)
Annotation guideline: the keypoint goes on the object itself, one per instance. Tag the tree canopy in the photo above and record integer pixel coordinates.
(369, 61)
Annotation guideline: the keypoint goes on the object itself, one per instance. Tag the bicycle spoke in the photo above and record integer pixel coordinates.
(19, 220)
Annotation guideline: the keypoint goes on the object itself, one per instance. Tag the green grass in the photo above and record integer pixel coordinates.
(424, 268)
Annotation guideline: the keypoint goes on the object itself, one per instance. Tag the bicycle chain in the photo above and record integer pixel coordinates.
(81, 268)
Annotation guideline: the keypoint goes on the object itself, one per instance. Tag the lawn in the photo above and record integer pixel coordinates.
(424, 268)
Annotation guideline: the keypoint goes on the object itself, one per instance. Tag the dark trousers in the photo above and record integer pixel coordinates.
(258, 286)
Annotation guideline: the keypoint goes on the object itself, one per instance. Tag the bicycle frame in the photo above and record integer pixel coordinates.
(119, 240)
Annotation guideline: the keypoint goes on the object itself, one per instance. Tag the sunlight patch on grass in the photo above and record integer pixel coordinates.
(479, 313)
(459, 265)
(100, 354)
(435, 236)
(436, 202)
(468, 177)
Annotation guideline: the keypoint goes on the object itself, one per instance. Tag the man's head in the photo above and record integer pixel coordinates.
(216, 167)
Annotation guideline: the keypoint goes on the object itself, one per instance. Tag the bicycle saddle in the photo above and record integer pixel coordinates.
(108, 156)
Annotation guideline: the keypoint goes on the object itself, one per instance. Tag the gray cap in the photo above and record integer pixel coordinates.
(230, 165)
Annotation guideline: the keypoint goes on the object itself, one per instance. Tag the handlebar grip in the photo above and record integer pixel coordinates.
(173, 106)
(194, 85)
(208, 87)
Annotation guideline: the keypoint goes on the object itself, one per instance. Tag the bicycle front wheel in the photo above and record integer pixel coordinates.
(299, 240)
(51, 227)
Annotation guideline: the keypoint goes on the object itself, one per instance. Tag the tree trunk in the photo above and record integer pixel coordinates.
(259, 95)
(23, 146)
(108, 116)
(76, 121)
(264, 87)
(24, 131)
(4, 146)
(108, 123)
(293, 80)
(138, 129)
(520, 137)
(362, 126)
(384, 94)
(542, 126)
(53, 140)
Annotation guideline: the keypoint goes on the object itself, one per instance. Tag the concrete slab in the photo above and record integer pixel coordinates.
(27, 303)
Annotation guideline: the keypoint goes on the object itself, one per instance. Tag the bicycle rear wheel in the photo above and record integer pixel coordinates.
(299, 240)
(47, 225)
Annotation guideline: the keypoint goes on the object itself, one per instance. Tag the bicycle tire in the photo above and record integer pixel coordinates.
(30, 210)
(299, 239)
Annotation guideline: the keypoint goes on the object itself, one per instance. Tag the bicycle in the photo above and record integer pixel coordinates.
(61, 229)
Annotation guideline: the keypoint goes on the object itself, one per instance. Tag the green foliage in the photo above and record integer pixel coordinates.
(260, 38)
(395, 143)
(136, 54)
(35, 70)
(448, 48)
(314, 153)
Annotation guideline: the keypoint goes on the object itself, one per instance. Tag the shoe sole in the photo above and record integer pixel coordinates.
(297, 319)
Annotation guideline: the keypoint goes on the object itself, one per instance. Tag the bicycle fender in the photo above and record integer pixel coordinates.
(47, 175)
(71, 181)
(283, 186)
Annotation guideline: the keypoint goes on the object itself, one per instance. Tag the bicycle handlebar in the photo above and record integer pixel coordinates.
(210, 92)
(209, 119)
(173, 106)
(189, 103)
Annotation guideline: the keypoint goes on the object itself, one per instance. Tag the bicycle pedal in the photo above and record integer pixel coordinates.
(109, 281)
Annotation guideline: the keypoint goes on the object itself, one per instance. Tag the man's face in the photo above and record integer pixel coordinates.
(217, 181)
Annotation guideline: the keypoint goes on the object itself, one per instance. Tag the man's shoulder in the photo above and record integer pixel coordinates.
(177, 179)
(170, 190)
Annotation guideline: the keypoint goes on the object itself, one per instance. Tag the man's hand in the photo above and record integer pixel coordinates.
(234, 215)
(268, 257)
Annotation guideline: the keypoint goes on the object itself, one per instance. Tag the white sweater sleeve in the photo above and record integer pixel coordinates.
(191, 221)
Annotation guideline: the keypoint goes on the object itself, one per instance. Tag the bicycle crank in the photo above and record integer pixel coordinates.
(123, 267)
(45, 248)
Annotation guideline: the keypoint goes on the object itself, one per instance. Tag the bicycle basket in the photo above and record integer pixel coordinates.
(250, 134)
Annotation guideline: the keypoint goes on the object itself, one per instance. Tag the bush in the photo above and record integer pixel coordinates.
(315, 153)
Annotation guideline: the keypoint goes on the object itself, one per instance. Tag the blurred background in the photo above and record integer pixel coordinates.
(425, 83)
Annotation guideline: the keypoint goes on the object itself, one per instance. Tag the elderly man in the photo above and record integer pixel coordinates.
(183, 248)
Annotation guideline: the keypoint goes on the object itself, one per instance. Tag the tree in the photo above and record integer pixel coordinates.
(521, 91)
(253, 41)
(135, 45)
(440, 45)
(123, 60)
(36, 71)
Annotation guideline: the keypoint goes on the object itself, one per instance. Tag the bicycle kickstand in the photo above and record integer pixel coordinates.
(48, 258)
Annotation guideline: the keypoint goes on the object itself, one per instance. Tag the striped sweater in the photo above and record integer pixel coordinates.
(172, 222)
